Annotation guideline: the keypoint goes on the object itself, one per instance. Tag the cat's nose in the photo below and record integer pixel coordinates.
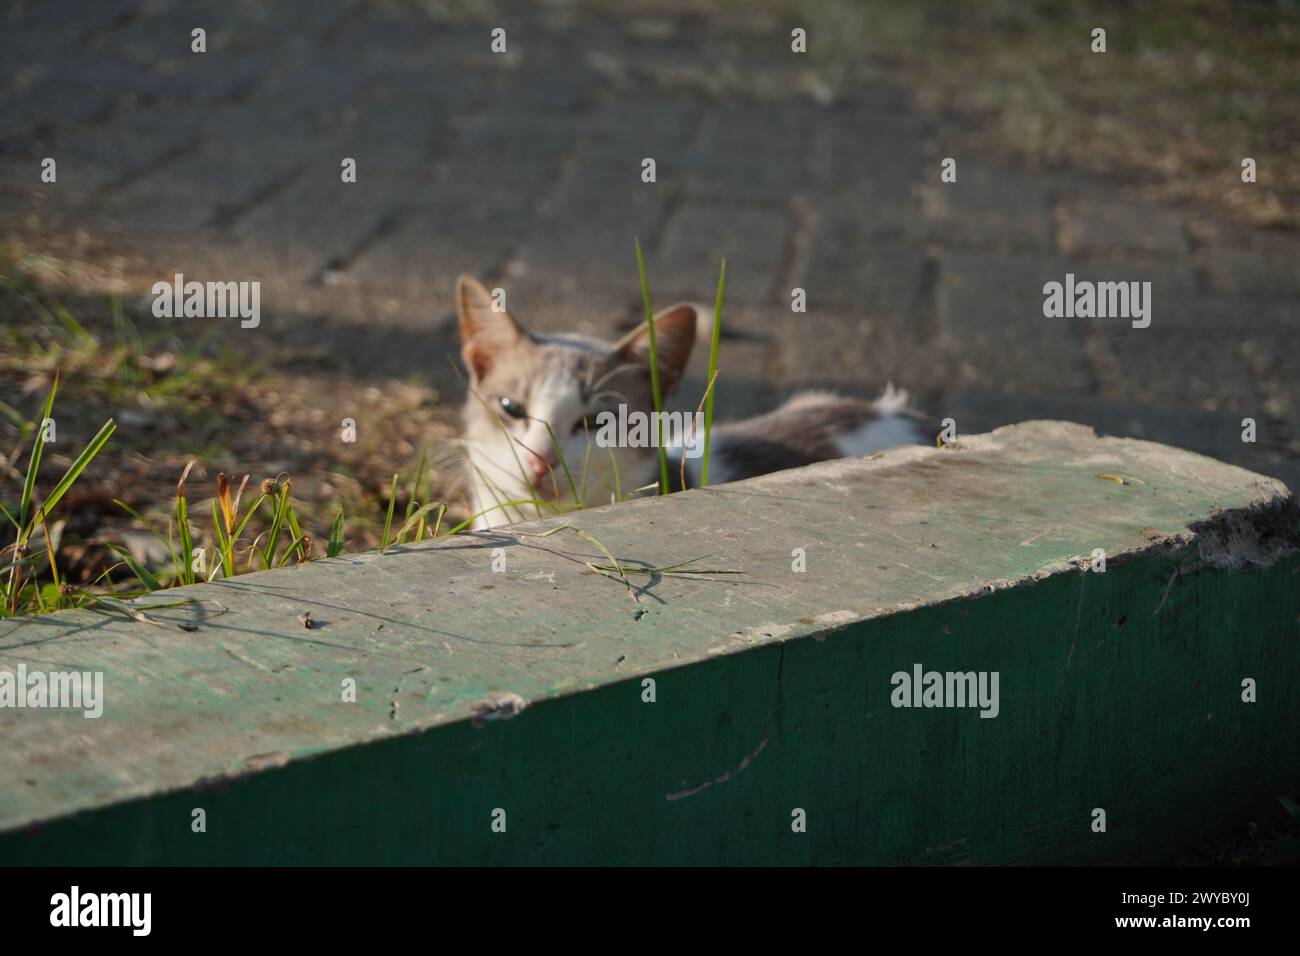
(541, 467)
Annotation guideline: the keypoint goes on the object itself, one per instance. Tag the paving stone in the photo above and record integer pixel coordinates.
(377, 36)
(1164, 366)
(637, 125)
(876, 151)
(1101, 227)
(401, 162)
(1197, 350)
(1273, 353)
(752, 239)
(993, 207)
(754, 151)
(551, 80)
(874, 221)
(338, 217)
(222, 171)
(1170, 280)
(187, 79)
(1217, 434)
(1204, 312)
(990, 313)
(164, 32)
(50, 86)
(852, 354)
(318, 87)
(52, 103)
(506, 158)
(850, 263)
(20, 182)
(1268, 271)
(599, 190)
(98, 156)
(271, 22)
(589, 256)
(56, 25)
(157, 212)
(420, 257)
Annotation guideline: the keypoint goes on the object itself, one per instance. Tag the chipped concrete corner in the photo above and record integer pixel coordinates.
(1256, 537)
(498, 705)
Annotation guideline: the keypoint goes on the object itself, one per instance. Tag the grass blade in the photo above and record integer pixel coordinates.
(655, 390)
(417, 516)
(34, 462)
(281, 505)
(77, 467)
(713, 371)
(335, 547)
(388, 521)
(185, 566)
(138, 569)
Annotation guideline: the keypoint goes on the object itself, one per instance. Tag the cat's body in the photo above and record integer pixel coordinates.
(535, 400)
(811, 426)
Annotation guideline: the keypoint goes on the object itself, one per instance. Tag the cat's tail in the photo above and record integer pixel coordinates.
(893, 401)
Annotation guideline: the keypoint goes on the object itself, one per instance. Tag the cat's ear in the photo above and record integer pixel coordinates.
(484, 332)
(674, 338)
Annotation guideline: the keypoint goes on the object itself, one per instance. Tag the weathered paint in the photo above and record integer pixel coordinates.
(1118, 690)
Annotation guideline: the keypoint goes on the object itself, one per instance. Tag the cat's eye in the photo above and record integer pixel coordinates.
(513, 408)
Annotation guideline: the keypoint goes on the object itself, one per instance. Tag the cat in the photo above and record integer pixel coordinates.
(530, 418)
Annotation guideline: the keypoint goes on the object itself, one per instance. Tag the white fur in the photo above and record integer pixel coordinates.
(888, 431)
(892, 400)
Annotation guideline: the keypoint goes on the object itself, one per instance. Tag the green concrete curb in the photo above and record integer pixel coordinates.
(518, 698)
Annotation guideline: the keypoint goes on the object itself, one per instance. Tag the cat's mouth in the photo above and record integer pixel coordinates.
(549, 487)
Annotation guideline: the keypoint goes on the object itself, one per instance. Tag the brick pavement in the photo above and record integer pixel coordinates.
(525, 169)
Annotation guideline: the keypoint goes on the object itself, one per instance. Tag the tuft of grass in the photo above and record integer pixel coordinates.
(21, 590)
(279, 538)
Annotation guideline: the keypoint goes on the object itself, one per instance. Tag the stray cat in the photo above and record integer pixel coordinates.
(530, 393)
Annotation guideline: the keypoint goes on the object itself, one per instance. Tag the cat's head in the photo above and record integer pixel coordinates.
(533, 401)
